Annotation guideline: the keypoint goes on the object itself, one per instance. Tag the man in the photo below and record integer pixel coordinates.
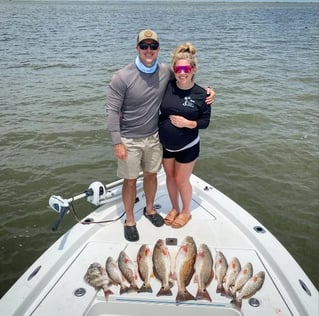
(133, 101)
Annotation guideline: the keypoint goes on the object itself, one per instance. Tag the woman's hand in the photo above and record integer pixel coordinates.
(180, 121)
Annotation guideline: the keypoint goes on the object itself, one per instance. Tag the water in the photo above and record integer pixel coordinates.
(261, 148)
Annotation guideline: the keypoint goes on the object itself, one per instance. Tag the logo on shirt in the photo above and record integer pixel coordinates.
(188, 102)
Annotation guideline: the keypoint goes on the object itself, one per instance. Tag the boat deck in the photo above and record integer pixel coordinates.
(216, 221)
(206, 226)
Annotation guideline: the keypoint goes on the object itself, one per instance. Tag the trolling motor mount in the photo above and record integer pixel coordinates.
(97, 192)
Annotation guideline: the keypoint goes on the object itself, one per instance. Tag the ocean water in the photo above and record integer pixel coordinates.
(261, 148)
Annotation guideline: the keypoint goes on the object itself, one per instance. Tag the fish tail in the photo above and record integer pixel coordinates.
(233, 293)
(229, 294)
(164, 291)
(132, 288)
(145, 288)
(184, 295)
(220, 289)
(202, 294)
(236, 303)
(124, 289)
(107, 293)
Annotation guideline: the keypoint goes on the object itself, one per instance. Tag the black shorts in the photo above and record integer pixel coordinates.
(183, 156)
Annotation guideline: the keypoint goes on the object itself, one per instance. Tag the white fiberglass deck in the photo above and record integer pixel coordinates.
(59, 288)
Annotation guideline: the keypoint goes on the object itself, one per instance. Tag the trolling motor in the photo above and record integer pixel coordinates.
(96, 194)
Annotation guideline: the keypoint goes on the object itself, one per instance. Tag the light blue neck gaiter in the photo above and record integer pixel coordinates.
(143, 68)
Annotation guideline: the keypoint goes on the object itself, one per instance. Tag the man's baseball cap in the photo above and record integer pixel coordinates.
(147, 34)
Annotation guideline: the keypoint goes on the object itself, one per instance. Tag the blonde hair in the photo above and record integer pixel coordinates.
(185, 51)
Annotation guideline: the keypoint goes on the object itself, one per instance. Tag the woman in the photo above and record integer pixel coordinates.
(183, 113)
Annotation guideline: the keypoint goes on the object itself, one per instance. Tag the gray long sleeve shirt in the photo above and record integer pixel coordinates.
(133, 102)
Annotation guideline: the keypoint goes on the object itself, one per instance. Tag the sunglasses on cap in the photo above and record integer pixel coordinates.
(186, 69)
(152, 46)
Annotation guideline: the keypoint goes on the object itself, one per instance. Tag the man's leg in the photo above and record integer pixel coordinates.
(150, 187)
(129, 197)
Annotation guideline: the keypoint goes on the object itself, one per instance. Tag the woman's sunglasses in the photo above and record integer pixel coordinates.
(152, 46)
(186, 69)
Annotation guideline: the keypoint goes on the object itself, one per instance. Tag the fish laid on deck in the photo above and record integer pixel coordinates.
(231, 275)
(244, 275)
(115, 275)
(128, 270)
(204, 272)
(184, 268)
(162, 267)
(253, 285)
(96, 276)
(145, 267)
(220, 267)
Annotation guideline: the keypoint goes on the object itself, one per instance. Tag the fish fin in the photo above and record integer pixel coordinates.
(220, 289)
(188, 281)
(155, 273)
(196, 278)
(236, 303)
(233, 292)
(145, 288)
(124, 289)
(164, 291)
(229, 294)
(107, 293)
(132, 288)
(184, 295)
(250, 295)
(202, 294)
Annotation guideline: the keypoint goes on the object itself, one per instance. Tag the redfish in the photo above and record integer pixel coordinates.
(184, 268)
(162, 267)
(128, 270)
(204, 272)
(145, 268)
(115, 275)
(244, 275)
(231, 275)
(253, 285)
(221, 267)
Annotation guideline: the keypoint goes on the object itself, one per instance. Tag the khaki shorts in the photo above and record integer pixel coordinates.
(144, 154)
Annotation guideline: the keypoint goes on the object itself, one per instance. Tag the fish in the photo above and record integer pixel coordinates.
(145, 268)
(244, 275)
(184, 268)
(253, 285)
(96, 276)
(162, 265)
(128, 269)
(204, 272)
(233, 270)
(220, 268)
(114, 273)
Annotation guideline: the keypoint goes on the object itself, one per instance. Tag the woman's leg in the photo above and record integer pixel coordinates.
(169, 168)
(183, 172)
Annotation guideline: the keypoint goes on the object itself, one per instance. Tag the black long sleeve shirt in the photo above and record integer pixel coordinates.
(187, 103)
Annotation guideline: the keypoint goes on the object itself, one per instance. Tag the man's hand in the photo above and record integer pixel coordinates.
(120, 151)
(210, 96)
